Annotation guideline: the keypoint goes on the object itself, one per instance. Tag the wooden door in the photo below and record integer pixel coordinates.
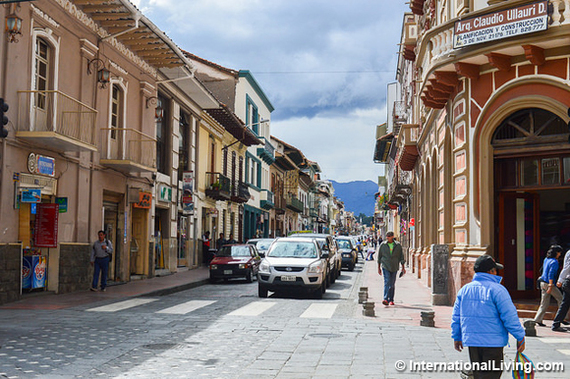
(518, 242)
(139, 242)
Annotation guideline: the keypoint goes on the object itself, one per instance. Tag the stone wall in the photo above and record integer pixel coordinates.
(75, 272)
(10, 272)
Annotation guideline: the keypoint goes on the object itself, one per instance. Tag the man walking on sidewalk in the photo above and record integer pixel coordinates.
(483, 316)
(390, 254)
(564, 284)
(100, 257)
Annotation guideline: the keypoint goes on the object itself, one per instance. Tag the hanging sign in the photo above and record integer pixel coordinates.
(45, 232)
(511, 22)
(62, 202)
(187, 192)
(164, 193)
(145, 200)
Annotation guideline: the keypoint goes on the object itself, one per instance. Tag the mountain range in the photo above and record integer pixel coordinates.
(357, 196)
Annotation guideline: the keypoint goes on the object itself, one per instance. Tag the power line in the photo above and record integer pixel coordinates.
(321, 72)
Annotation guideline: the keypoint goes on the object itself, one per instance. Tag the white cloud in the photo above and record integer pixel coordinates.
(324, 65)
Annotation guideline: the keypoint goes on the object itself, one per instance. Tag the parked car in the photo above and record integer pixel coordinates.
(235, 261)
(293, 263)
(327, 243)
(262, 244)
(347, 251)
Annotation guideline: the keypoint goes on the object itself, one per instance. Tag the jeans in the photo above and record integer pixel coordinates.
(487, 355)
(389, 284)
(101, 265)
(564, 305)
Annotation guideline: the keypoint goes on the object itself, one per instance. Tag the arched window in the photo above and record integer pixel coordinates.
(530, 126)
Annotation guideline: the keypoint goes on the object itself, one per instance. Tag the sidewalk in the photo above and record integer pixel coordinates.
(157, 286)
(412, 297)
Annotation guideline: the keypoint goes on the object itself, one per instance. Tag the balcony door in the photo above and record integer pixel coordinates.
(40, 84)
(116, 136)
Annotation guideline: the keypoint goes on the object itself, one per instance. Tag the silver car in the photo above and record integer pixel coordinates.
(293, 263)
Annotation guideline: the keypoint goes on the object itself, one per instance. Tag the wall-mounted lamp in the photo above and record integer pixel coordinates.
(158, 111)
(103, 74)
(13, 27)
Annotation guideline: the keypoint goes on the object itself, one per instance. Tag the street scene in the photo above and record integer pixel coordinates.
(285, 189)
(224, 330)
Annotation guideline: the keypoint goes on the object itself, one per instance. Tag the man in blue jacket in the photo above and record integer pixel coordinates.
(483, 316)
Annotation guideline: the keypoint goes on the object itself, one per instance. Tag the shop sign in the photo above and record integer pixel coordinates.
(39, 164)
(145, 200)
(187, 192)
(31, 195)
(164, 193)
(62, 202)
(45, 232)
(512, 22)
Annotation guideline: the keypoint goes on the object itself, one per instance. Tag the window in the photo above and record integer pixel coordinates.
(116, 110)
(253, 171)
(252, 115)
(183, 144)
(162, 138)
(41, 75)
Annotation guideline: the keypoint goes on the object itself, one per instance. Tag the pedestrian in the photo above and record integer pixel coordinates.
(390, 254)
(231, 240)
(370, 253)
(100, 257)
(221, 241)
(564, 284)
(548, 282)
(483, 316)
(206, 247)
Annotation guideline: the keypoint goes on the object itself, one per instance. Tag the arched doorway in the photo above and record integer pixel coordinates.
(532, 193)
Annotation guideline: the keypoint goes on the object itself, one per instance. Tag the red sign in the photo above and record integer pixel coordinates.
(47, 216)
(412, 222)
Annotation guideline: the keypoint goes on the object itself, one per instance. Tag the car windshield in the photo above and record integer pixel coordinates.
(286, 249)
(263, 245)
(344, 244)
(233, 251)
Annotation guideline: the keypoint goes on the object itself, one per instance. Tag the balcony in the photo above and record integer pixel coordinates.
(400, 187)
(408, 143)
(128, 150)
(56, 121)
(313, 212)
(217, 186)
(399, 115)
(240, 193)
(295, 204)
(280, 203)
(266, 198)
(267, 152)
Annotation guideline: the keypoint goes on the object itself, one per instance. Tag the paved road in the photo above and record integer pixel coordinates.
(225, 331)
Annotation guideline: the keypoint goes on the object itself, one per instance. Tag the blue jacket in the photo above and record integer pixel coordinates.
(484, 314)
(549, 270)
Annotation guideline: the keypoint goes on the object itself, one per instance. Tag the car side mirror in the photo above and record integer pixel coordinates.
(262, 255)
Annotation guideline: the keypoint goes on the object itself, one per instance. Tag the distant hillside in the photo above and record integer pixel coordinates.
(357, 196)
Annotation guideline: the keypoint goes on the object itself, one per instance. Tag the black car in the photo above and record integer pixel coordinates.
(347, 251)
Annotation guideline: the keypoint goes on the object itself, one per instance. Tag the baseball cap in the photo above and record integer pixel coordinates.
(486, 263)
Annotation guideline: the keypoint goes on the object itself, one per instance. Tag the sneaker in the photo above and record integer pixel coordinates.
(385, 302)
(558, 329)
(565, 322)
(103, 289)
(391, 303)
(93, 289)
(539, 323)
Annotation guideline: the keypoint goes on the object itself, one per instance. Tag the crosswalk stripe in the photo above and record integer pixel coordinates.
(187, 307)
(318, 310)
(122, 305)
(253, 309)
(565, 352)
(555, 340)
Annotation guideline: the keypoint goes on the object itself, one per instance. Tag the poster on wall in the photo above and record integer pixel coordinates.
(187, 192)
(47, 218)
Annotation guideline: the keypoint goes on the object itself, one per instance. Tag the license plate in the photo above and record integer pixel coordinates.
(228, 272)
(288, 278)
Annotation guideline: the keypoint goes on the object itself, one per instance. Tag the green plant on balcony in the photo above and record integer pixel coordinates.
(217, 186)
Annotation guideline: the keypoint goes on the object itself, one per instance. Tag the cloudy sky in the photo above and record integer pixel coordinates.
(324, 65)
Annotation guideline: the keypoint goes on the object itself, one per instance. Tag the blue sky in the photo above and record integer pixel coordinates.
(324, 65)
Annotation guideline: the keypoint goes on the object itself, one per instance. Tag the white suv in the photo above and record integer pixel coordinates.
(293, 263)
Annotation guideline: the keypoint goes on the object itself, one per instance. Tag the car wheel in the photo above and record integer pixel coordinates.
(334, 275)
(327, 281)
(351, 267)
(320, 291)
(212, 280)
(249, 276)
(261, 291)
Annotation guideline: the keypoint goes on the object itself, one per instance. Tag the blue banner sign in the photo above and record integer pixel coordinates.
(31, 195)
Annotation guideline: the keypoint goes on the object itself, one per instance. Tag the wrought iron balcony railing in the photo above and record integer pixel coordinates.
(217, 186)
(128, 150)
(56, 120)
